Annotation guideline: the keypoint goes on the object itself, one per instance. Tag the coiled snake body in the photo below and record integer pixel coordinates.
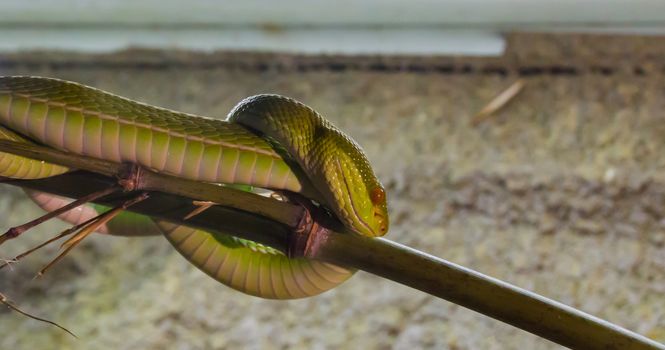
(267, 141)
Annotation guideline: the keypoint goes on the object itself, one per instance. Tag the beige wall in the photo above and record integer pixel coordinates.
(561, 192)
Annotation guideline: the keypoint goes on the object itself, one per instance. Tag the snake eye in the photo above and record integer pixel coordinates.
(377, 195)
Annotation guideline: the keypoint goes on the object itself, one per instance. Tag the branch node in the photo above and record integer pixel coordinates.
(131, 177)
(309, 233)
(306, 234)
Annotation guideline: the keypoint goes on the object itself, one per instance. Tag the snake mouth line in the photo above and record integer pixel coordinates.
(353, 206)
(381, 219)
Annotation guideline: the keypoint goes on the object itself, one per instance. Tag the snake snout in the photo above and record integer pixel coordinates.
(381, 222)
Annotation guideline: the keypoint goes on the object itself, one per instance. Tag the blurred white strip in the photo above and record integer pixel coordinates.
(312, 41)
(487, 14)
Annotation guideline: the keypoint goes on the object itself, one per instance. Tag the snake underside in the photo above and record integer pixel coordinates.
(87, 121)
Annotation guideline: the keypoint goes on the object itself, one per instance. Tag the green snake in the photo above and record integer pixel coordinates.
(267, 141)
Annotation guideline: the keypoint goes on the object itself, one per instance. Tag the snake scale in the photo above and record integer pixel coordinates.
(267, 141)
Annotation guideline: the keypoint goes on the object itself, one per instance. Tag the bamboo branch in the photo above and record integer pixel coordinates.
(152, 181)
(286, 227)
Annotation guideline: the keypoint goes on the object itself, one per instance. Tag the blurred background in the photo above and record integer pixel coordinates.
(560, 190)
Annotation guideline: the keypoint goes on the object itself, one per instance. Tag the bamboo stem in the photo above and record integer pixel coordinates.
(285, 213)
(273, 223)
(175, 208)
(523, 309)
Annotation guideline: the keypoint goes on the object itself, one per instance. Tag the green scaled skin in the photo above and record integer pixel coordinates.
(268, 141)
(334, 163)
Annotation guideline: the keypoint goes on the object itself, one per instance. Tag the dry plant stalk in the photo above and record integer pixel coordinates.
(5, 301)
(498, 102)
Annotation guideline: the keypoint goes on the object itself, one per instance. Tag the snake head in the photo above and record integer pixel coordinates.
(380, 209)
(335, 165)
(359, 197)
(378, 222)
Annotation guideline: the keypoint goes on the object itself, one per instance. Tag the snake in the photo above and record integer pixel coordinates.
(267, 141)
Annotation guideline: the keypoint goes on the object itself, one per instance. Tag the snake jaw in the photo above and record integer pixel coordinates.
(378, 221)
(355, 200)
(381, 219)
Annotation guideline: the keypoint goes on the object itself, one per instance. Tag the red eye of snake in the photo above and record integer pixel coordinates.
(377, 195)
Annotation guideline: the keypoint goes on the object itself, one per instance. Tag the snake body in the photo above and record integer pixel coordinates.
(268, 141)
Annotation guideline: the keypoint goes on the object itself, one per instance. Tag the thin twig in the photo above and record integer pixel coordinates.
(4, 300)
(201, 206)
(64, 233)
(8, 262)
(90, 228)
(18, 230)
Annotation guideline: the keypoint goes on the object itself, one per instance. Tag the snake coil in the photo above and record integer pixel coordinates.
(268, 141)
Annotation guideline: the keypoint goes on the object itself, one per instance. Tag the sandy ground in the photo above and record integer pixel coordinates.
(562, 192)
